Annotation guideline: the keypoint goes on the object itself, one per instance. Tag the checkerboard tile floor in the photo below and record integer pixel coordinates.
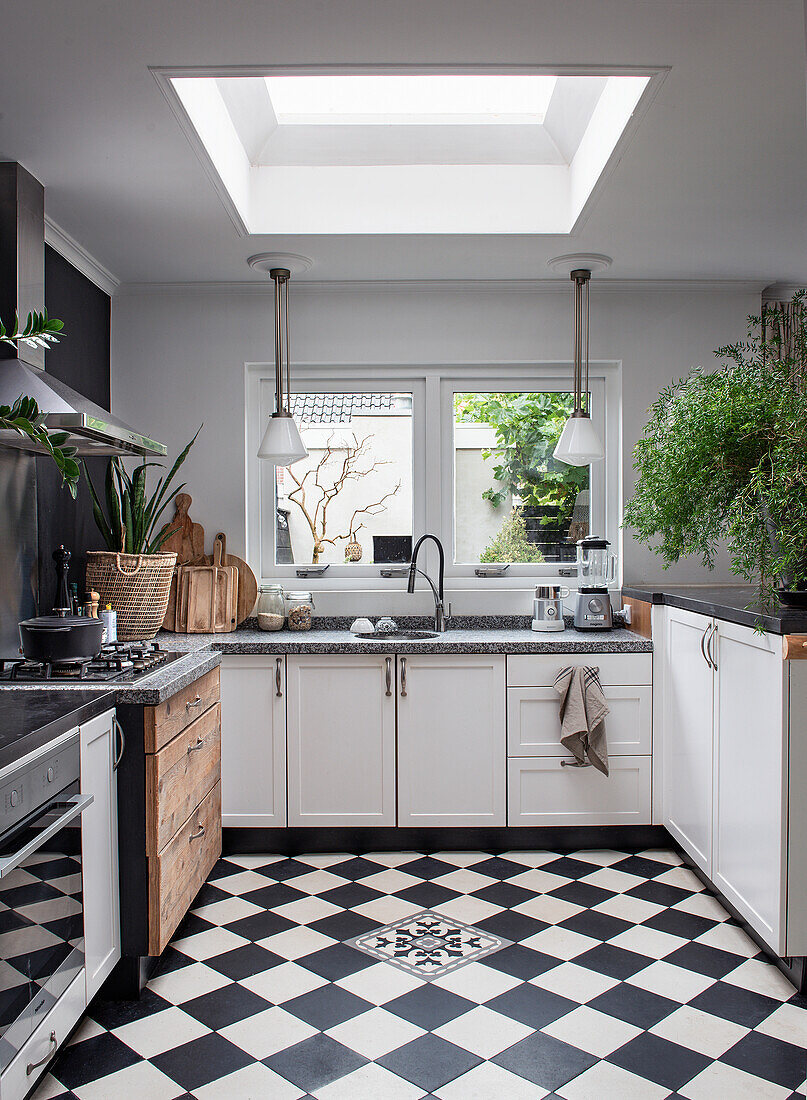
(623, 978)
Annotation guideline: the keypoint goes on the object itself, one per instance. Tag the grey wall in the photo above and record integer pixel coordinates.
(178, 358)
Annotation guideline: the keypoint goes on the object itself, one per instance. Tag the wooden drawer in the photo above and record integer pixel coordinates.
(533, 721)
(179, 776)
(616, 669)
(180, 870)
(541, 792)
(162, 723)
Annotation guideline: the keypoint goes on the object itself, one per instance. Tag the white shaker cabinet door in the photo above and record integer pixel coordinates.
(451, 740)
(341, 739)
(750, 821)
(253, 741)
(688, 743)
(99, 843)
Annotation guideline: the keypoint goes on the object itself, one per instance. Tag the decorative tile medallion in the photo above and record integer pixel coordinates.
(429, 944)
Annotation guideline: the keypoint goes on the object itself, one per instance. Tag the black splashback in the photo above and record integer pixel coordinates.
(80, 359)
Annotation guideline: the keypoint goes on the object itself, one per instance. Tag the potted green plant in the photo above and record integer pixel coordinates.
(723, 458)
(133, 574)
(25, 416)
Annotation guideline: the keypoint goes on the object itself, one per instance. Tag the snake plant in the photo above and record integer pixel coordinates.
(129, 522)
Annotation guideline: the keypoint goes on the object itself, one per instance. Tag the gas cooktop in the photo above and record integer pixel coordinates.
(118, 663)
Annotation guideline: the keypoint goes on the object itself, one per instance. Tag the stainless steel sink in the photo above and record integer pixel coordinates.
(398, 635)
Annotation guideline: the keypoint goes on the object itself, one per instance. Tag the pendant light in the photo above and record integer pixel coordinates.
(281, 443)
(579, 443)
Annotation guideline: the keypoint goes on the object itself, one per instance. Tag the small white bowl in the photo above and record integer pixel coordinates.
(361, 626)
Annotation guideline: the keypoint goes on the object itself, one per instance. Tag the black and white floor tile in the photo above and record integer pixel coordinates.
(587, 977)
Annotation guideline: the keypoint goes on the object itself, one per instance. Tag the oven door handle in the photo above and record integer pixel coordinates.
(75, 807)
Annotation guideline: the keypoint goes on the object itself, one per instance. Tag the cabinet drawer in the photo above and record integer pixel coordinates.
(616, 669)
(179, 776)
(533, 721)
(541, 792)
(62, 1018)
(162, 723)
(180, 870)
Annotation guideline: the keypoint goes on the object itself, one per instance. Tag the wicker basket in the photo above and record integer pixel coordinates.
(137, 586)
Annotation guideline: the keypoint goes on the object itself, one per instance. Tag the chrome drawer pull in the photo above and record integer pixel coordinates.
(574, 764)
(278, 677)
(389, 676)
(195, 748)
(195, 703)
(195, 836)
(119, 731)
(54, 1042)
(403, 677)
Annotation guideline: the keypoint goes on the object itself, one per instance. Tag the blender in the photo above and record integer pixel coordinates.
(595, 569)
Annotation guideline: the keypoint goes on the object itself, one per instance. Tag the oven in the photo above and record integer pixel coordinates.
(41, 910)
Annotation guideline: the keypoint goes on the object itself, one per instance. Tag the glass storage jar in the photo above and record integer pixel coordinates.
(299, 606)
(271, 610)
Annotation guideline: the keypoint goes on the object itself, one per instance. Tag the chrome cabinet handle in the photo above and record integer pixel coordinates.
(195, 748)
(195, 703)
(574, 764)
(712, 637)
(54, 1043)
(389, 676)
(403, 677)
(278, 677)
(122, 736)
(195, 836)
(703, 645)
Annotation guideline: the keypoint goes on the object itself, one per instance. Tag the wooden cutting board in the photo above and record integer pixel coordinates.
(207, 596)
(247, 582)
(188, 543)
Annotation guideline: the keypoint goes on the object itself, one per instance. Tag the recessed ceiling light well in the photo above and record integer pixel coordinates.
(382, 151)
(478, 99)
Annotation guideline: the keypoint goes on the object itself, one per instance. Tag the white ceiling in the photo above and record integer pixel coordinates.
(711, 187)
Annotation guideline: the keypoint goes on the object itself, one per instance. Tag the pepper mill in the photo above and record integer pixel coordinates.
(62, 559)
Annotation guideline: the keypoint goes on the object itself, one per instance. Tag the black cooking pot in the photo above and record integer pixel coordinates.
(61, 640)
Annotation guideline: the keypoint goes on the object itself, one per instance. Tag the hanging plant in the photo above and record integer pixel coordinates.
(723, 458)
(25, 417)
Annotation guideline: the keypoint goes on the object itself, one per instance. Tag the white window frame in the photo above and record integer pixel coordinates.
(432, 387)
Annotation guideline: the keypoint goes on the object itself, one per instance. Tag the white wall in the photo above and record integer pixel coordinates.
(178, 358)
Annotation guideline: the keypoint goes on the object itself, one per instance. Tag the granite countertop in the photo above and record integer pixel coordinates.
(468, 640)
(733, 603)
(203, 652)
(31, 719)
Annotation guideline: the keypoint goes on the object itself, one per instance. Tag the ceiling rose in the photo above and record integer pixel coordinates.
(292, 261)
(591, 261)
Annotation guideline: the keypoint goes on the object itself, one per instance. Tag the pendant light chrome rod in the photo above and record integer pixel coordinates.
(581, 278)
(280, 277)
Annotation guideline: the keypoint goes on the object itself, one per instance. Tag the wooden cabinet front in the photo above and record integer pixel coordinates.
(179, 776)
(180, 870)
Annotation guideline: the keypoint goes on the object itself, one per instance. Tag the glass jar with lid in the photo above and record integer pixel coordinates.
(271, 609)
(299, 606)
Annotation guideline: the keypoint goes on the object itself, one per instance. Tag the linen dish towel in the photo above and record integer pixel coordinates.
(582, 715)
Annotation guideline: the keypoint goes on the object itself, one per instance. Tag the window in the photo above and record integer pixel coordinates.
(513, 501)
(464, 452)
(350, 500)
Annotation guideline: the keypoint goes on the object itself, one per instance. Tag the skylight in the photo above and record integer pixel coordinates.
(414, 100)
(382, 152)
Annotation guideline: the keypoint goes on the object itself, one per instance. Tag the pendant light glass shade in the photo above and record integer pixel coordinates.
(579, 443)
(282, 443)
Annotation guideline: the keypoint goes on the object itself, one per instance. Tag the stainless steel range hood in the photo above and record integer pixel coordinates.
(91, 429)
